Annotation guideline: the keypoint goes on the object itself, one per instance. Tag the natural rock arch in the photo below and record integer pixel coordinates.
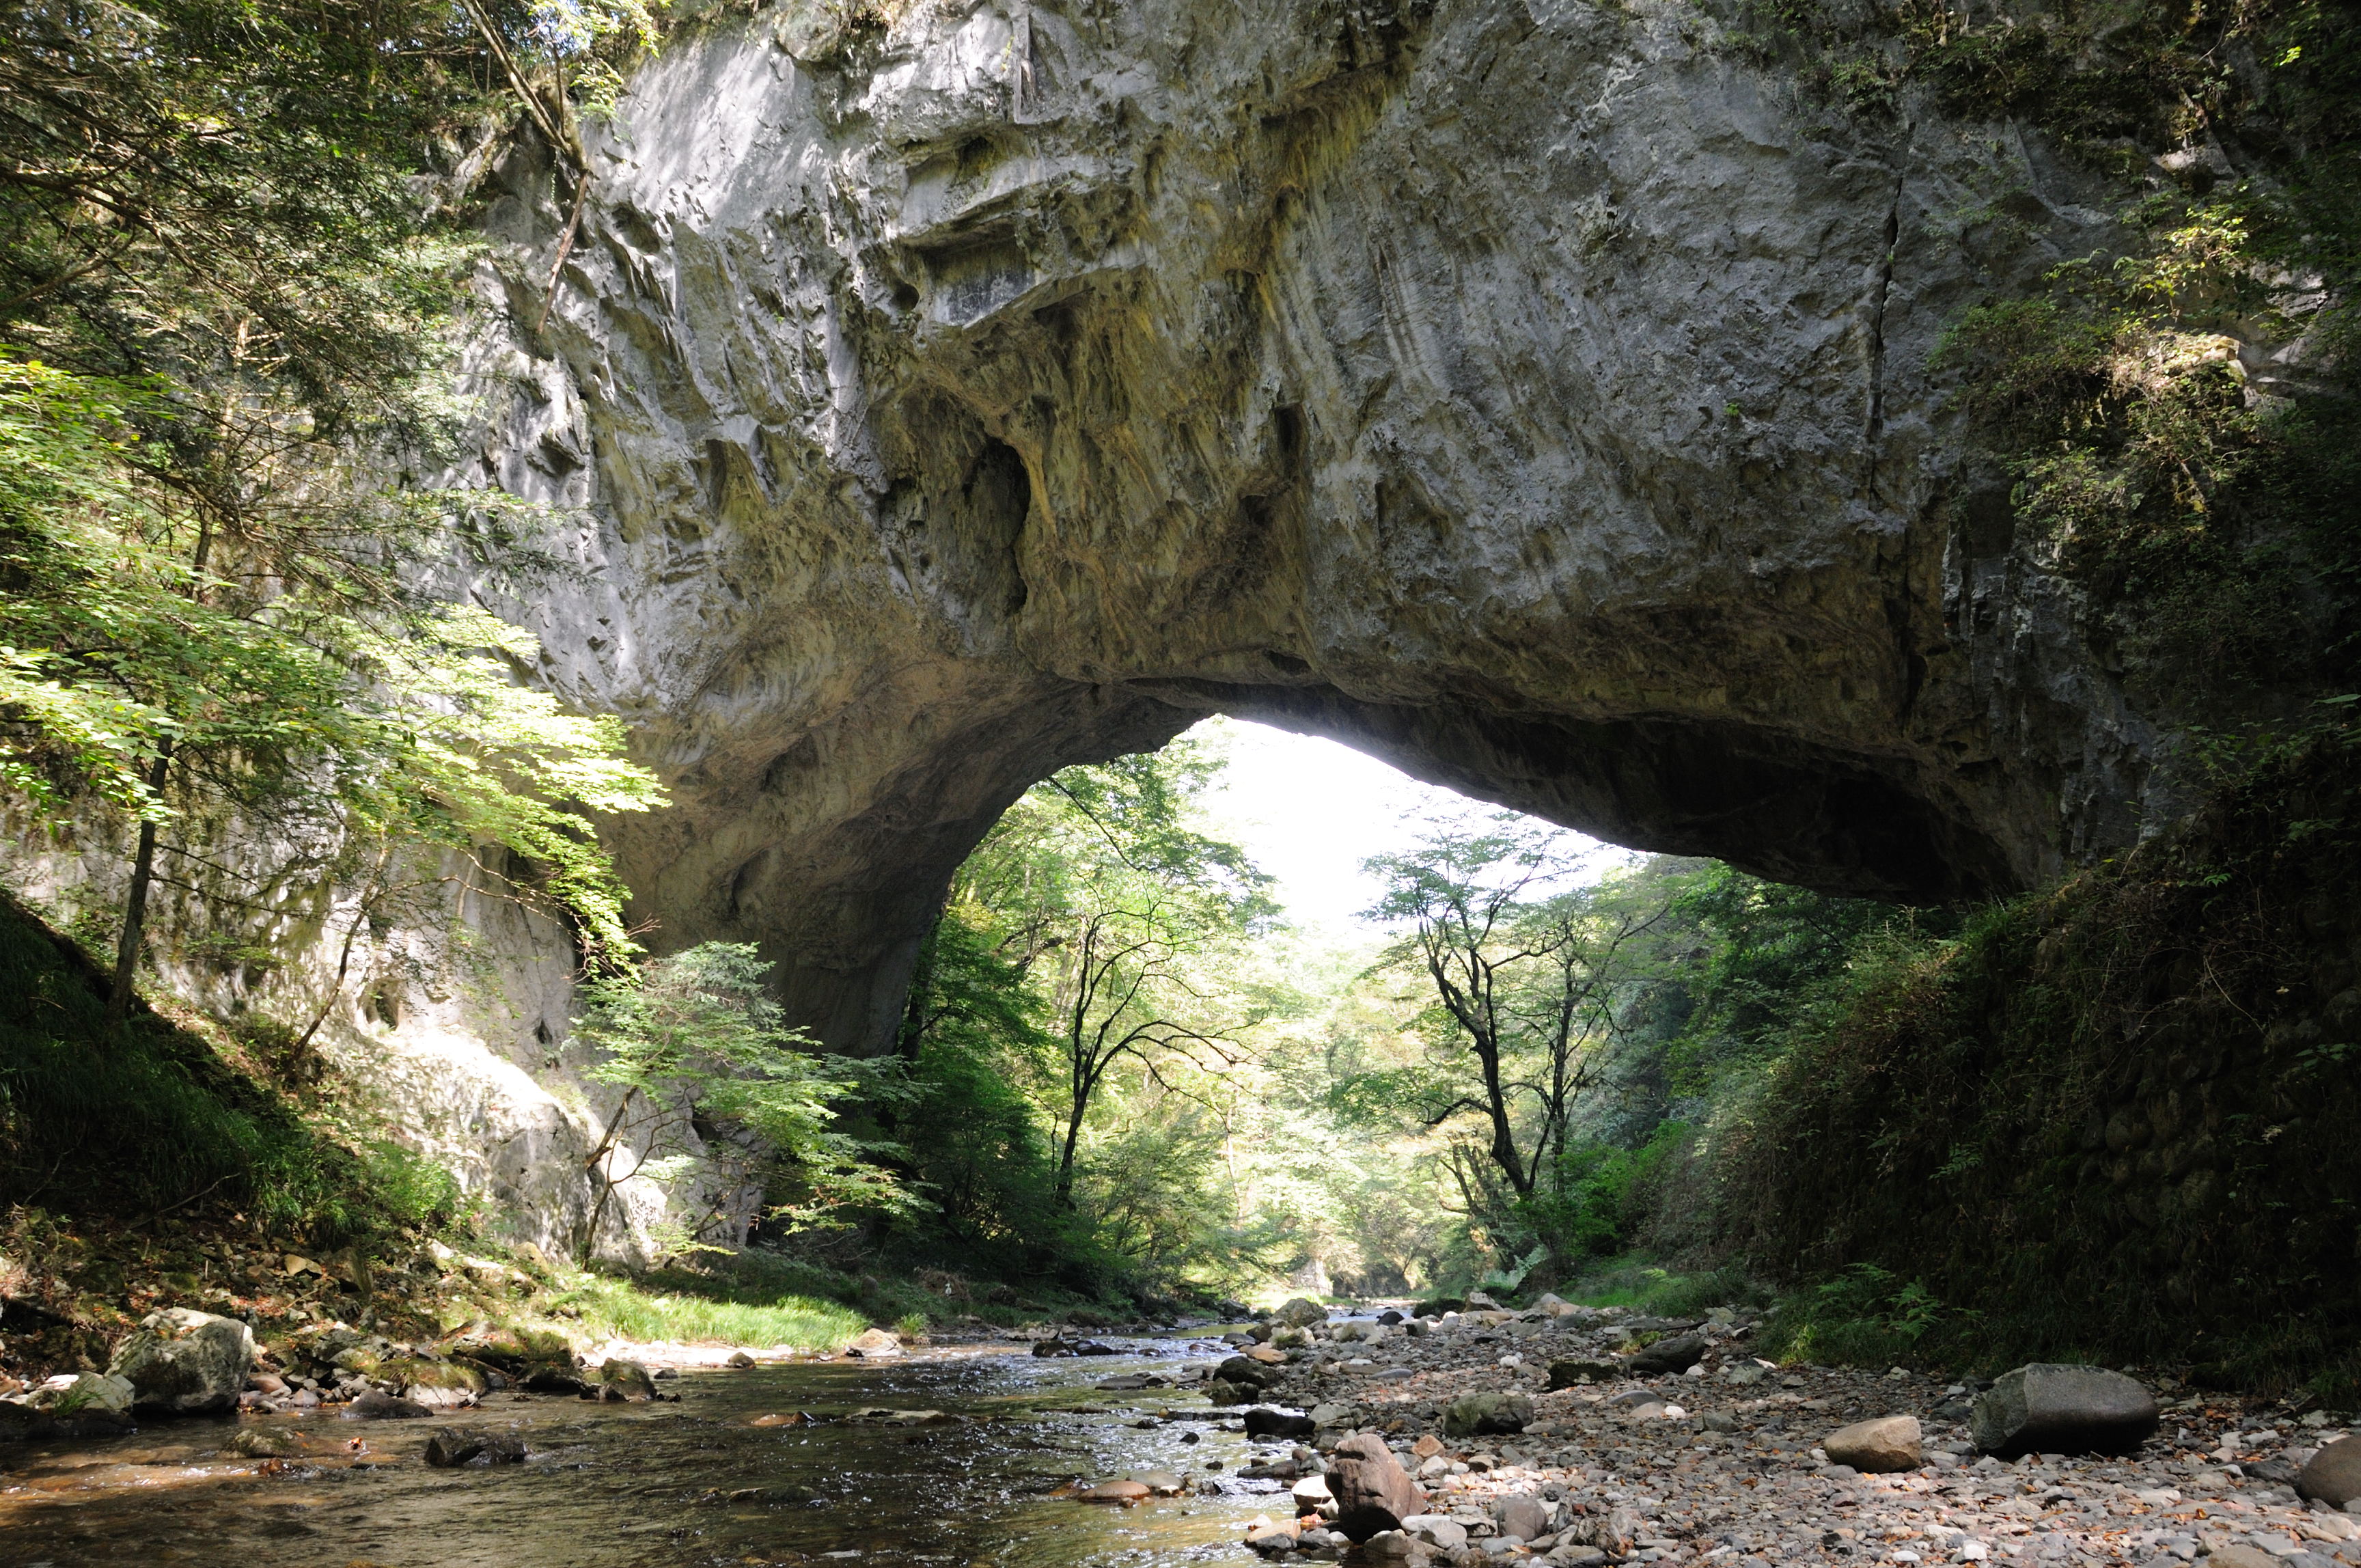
(1531, 393)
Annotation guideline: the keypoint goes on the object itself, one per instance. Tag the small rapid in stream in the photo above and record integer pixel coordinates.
(638, 1486)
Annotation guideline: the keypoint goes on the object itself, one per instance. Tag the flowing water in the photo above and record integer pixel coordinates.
(651, 1486)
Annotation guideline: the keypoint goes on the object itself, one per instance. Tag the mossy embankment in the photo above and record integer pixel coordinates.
(167, 1162)
(2114, 1122)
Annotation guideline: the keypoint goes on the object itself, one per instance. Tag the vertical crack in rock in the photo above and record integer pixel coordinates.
(1876, 423)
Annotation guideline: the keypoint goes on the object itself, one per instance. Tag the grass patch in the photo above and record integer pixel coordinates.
(689, 1310)
(1645, 1285)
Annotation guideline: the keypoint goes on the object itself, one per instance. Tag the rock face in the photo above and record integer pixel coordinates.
(1532, 395)
(1878, 1447)
(184, 1362)
(2049, 1408)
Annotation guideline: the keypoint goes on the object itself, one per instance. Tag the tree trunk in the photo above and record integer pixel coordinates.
(135, 908)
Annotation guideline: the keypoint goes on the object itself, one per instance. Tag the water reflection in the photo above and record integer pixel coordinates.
(730, 1474)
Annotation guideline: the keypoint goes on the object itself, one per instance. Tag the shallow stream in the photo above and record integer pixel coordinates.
(650, 1485)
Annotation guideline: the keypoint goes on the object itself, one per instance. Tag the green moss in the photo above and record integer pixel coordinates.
(147, 1117)
(2103, 1123)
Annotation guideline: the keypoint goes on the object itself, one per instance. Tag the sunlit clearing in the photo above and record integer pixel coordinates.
(1310, 811)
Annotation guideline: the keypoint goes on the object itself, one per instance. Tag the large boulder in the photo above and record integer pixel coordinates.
(1878, 1447)
(1263, 1424)
(1247, 1372)
(1301, 1313)
(2334, 1474)
(2046, 1408)
(1676, 1355)
(1483, 1415)
(185, 1363)
(1575, 1371)
(875, 1344)
(1366, 1478)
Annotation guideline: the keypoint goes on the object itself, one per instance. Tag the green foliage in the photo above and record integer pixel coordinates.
(2073, 1127)
(118, 649)
(716, 1087)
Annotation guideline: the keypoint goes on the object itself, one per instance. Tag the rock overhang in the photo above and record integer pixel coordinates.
(1532, 396)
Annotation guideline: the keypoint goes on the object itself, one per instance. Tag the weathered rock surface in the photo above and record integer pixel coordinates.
(1269, 1423)
(2051, 1408)
(1532, 395)
(1677, 1353)
(1473, 1415)
(1366, 1480)
(1878, 1447)
(1521, 1516)
(874, 1343)
(2333, 1474)
(184, 1362)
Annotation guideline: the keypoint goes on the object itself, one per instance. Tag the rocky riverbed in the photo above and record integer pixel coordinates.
(1467, 1439)
(1582, 1437)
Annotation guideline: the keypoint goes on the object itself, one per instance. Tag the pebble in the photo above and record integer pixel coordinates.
(1728, 1469)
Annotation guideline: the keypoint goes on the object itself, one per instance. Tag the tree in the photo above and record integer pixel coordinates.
(1085, 954)
(1529, 984)
(212, 238)
(713, 1082)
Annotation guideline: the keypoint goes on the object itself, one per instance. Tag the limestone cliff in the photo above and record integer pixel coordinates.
(1531, 393)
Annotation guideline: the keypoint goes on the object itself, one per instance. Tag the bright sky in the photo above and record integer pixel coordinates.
(1310, 811)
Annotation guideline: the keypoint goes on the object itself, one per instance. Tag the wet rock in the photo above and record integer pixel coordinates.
(1163, 1483)
(2051, 1408)
(739, 1361)
(1274, 1541)
(621, 1379)
(1878, 1447)
(1363, 1472)
(554, 1381)
(446, 1449)
(76, 1393)
(184, 1362)
(1575, 1371)
(1676, 1355)
(1248, 1371)
(1486, 1414)
(265, 1443)
(1221, 1391)
(437, 1384)
(376, 1406)
(874, 1344)
(1115, 1492)
(2332, 1475)
(1266, 1423)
